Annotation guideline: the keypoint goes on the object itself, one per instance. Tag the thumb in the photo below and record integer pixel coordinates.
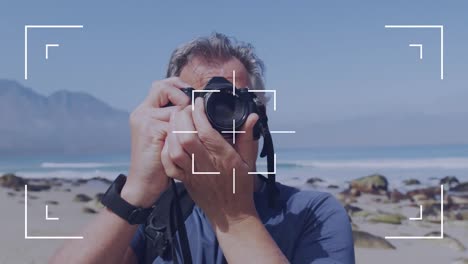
(246, 145)
(210, 138)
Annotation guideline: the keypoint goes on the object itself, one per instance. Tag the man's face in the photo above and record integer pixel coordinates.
(198, 72)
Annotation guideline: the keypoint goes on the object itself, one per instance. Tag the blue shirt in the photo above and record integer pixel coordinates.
(308, 227)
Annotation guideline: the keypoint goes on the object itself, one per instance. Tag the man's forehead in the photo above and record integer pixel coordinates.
(198, 71)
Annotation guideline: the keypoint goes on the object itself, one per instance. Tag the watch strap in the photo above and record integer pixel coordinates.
(114, 202)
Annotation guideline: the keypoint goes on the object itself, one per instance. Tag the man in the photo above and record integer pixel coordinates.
(240, 227)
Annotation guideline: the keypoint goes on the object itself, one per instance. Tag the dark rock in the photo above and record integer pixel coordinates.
(462, 187)
(88, 210)
(99, 196)
(53, 182)
(411, 182)
(450, 181)
(429, 193)
(378, 200)
(374, 184)
(51, 202)
(354, 192)
(12, 194)
(431, 213)
(67, 190)
(348, 196)
(421, 199)
(351, 209)
(82, 198)
(367, 240)
(314, 180)
(10, 180)
(333, 186)
(103, 180)
(38, 187)
(459, 200)
(396, 196)
(33, 197)
(40, 181)
(79, 182)
(57, 184)
(460, 215)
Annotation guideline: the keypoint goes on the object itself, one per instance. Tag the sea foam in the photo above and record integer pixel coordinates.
(80, 165)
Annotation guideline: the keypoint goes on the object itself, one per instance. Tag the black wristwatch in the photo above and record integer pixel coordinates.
(114, 202)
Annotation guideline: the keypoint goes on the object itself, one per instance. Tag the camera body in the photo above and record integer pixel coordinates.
(227, 111)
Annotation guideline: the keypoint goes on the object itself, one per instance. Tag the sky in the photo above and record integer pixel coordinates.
(328, 60)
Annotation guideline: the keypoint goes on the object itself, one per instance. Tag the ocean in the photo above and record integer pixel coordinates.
(294, 166)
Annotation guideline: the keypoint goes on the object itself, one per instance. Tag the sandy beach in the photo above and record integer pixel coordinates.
(375, 214)
(61, 203)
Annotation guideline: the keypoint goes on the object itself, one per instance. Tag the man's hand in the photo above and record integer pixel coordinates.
(107, 238)
(149, 125)
(212, 153)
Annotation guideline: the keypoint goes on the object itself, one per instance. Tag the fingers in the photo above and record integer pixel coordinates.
(162, 114)
(167, 91)
(170, 168)
(178, 153)
(246, 145)
(248, 127)
(210, 138)
(189, 142)
(176, 161)
(150, 121)
(184, 122)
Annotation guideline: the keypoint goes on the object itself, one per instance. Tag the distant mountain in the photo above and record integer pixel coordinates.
(64, 122)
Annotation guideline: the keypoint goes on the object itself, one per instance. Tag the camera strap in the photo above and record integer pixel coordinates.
(268, 151)
(183, 238)
(170, 212)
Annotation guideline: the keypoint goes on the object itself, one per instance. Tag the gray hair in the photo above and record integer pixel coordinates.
(218, 46)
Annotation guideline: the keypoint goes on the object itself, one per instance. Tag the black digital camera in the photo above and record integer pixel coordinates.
(227, 109)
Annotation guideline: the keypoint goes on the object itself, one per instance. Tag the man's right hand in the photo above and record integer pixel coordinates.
(149, 125)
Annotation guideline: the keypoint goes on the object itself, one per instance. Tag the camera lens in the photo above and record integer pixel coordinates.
(222, 108)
